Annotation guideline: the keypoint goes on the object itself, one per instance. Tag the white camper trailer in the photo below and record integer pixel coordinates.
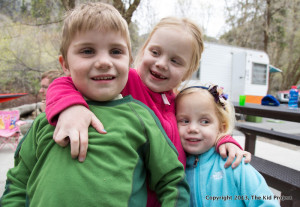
(241, 71)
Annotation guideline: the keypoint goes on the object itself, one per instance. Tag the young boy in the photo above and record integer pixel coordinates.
(96, 55)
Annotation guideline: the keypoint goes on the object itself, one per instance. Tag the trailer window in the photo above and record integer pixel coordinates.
(259, 74)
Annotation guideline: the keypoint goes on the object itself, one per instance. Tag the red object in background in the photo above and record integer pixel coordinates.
(10, 96)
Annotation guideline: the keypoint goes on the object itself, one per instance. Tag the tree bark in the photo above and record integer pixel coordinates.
(127, 14)
(68, 4)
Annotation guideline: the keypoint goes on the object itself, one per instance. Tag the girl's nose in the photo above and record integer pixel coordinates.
(193, 128)
(162, 63)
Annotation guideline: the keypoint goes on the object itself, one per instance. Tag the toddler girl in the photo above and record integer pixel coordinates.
(203, 116)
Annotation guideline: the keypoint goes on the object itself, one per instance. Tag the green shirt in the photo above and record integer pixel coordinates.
(115, 169)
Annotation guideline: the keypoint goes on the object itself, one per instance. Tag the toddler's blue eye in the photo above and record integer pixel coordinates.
(204, 121)
(184, 121)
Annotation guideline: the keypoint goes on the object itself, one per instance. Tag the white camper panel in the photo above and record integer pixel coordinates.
(240, 71)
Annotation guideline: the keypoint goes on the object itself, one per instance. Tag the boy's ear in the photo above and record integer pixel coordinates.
(64, 65)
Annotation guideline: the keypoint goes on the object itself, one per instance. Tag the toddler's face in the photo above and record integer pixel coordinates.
(197, 123)
(98, 63)
(166, 59)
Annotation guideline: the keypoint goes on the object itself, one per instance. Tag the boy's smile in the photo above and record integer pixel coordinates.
(98, 63)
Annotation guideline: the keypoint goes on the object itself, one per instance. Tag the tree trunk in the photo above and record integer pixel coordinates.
(68, 4)
(127, 14)
(267, 25)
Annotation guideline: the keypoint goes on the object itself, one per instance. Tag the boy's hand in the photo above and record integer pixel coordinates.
(72, 126)
(233, 152)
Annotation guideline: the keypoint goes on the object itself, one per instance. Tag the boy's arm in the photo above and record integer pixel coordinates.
(167, 176)
(227, 146)
(15, 193)
(61, 94)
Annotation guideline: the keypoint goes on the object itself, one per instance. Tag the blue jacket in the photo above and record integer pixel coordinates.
(213, 185)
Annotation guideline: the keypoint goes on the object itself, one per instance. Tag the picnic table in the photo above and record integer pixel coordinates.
(281, 112)
(280, 177)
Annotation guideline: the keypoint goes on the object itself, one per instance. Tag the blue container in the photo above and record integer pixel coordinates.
(293, 98)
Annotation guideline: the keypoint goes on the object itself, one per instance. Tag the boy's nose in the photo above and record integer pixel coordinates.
(103, 62)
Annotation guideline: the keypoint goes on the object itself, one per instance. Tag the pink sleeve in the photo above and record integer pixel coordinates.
(61, 94)
(226, 139)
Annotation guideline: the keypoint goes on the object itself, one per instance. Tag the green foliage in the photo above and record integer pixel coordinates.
(26, 51)
(30, 39)
(40, 8)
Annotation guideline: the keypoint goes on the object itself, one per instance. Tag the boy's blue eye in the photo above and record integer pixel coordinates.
(87, 51)
(116, 52)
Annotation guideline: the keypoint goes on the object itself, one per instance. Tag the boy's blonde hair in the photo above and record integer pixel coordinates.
(224, 109)
(185, 25)
(93, 16)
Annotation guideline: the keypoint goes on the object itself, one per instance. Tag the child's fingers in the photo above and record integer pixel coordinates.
(60, 137)
(74, 142)
(247, 156)
(237, 161)
(95, 122)
(230, 159)
(83, 144)
(222, 151)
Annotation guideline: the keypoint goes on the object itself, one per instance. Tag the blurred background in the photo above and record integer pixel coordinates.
(30, 31)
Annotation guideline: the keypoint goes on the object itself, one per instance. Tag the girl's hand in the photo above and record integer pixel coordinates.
(72, 126)
(233, 152)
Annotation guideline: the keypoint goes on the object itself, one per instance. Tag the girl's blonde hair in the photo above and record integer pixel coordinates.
(93, 16)
(185, 25)
(224, 109)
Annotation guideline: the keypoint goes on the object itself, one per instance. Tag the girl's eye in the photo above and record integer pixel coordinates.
(204, 122)
(155, 52)
(175, 61)
(87, 51)
(183, 121)
(116, 52)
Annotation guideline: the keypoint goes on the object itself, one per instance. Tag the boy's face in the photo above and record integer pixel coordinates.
(166, 59)
(197, 123)
(98, 63)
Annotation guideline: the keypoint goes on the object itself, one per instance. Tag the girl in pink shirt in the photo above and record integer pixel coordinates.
(170, 55)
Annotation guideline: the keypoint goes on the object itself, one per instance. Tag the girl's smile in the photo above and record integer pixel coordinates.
(166, 59)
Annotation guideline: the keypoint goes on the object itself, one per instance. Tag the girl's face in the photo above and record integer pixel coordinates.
(166, 59)
(197, 122)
